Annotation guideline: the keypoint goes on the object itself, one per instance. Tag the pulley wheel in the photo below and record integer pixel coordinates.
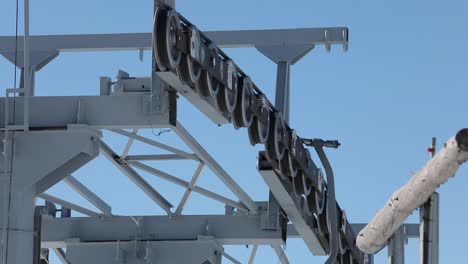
(211, 85)
(228, 96)
(284, 165)
(196, 55)
(182, 70)
(194, 70)
(346, 257)
(311, 201)
(342, 247)
(297, 184)
(270, 155)
(319, 193)
(264, 121)
(254, 138)
(276, 136)
(293, 164)
(159, 50)
(172, 30)
(343, 222)
(305, 206)
(306, 185)
(243, 111)
(196, 46)
(307, 159)
(322, 222)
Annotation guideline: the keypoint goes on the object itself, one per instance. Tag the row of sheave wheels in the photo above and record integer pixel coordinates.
(201, 67)
(180, 48)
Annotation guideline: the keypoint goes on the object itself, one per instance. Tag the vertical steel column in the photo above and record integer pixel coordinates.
(18, 205)
(27, 68)
(429, 226)
(396, 247)
(19, 227)
(282, 89)
(282, 104)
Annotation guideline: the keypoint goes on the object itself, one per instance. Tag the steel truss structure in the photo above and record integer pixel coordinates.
(46, 139)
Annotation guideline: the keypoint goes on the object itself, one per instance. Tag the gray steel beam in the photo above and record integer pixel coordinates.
(156, 144)
(156, 157)
(396, 247)
(283, 89)
(225, 229)
(132, 252)
(138, 41)
(94, 111)
(253, 254)
(27, 70)
(88, 195)
(128, 145)
(180, 182)
(231, 258)
(136, 178)
(303, 225)
(69, 205)
(282, 258)
(207, 105)
(215, 167)
(61, 255)
(429, 228)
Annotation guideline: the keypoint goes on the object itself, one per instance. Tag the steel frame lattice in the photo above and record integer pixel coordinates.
(56, 135)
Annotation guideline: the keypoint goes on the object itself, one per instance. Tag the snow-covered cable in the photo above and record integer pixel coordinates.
(409, 197)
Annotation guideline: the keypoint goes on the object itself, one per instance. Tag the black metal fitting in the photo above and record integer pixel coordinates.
(462, 139)
(320, 142)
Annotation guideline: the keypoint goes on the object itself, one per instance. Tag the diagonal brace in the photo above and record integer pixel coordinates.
(88, 195)
(136, 178)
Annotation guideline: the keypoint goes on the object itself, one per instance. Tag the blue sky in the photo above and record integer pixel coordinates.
(402, 82)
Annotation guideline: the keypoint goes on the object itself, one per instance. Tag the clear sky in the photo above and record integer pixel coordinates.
(402, 82)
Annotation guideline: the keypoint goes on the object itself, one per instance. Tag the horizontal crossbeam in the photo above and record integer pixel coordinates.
(138, 41)
(225, 229)
(95, 111)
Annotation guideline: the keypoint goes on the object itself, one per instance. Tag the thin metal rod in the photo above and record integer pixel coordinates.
(396, 247)
(156, 144)
(190, 186)
(136, 178)
(156, 157)
(283, 259)
(215, 167)
(185, 184)
(61, 255)
(331, 203)
(129, 144)
(253, 254)
(69, 205)
(429, 224)
(88, 195)
(231, 258)
(27, 71)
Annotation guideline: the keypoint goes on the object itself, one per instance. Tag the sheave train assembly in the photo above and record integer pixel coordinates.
(183, 50)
